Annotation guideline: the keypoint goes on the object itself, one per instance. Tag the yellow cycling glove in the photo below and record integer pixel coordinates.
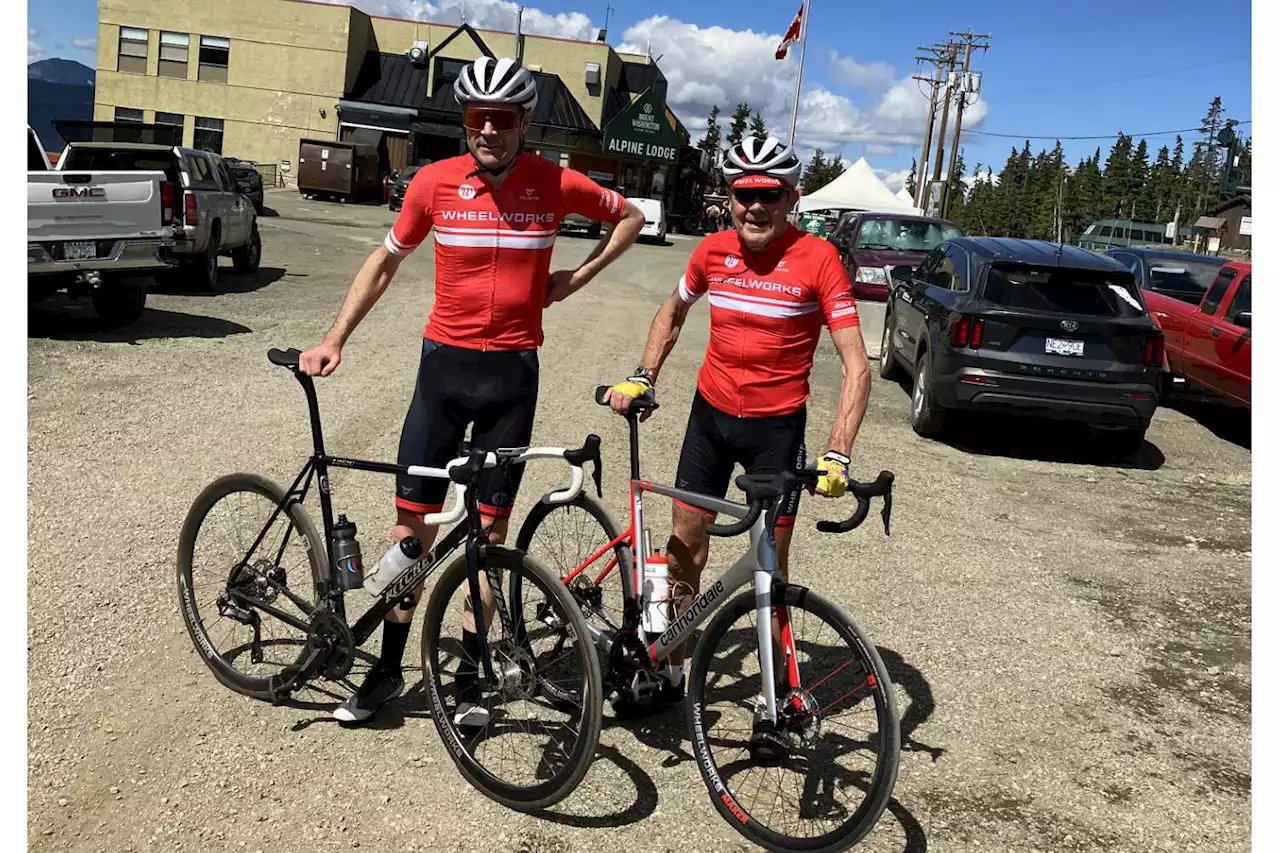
(633, 386)
(834, 478)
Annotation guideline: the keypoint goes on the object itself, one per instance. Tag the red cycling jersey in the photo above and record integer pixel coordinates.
(493, 247)
(766, 315)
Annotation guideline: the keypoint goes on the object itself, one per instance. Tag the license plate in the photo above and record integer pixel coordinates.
(1063, 346)
(80, 251)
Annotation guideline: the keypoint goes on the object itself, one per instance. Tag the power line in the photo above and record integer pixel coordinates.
(1172, 70)
(1106, 136)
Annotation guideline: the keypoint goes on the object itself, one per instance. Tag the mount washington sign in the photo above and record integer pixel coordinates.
(643, 130)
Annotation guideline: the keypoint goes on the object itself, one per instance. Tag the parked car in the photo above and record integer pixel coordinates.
(1210, 343)
(1024, 327)
(655, 219)
(215, 218)
(400, 186)
(1170, 273)
(1104, 234)
(248, 180)
(871, 244)
(577, 222)
(102, 235)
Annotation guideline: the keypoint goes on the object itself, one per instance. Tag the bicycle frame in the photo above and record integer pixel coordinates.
(758, 564)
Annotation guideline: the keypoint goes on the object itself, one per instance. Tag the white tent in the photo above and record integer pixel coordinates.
(857, 188)
(906, 196)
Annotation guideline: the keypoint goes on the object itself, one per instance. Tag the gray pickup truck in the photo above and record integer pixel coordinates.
(212, 218)
(96, 234)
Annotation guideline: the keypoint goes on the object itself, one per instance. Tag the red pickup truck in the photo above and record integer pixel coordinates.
(1210, 344)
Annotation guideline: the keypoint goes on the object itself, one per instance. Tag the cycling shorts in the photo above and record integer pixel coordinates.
(714, 441)
(493, 392)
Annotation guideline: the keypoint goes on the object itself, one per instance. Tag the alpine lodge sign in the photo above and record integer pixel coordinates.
(644, 130)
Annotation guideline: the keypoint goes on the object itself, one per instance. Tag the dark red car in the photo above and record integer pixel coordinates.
(871, 244)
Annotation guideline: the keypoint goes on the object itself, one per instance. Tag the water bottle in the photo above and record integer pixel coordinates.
(402, 555)
(655, 593)
(346, 554)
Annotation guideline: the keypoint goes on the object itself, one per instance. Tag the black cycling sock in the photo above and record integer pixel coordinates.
(394, 637)
(469, 666)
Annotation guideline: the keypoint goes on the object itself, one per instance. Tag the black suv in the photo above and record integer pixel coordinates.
(1025, 327)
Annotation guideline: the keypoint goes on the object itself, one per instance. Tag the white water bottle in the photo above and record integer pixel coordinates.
(402, 555)
(655, 593)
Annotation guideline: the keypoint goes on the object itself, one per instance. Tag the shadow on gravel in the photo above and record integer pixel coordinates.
(921, 706)
(228, 282)
(1228, 422)
(269, 212)
(645, 803)
(68, 322)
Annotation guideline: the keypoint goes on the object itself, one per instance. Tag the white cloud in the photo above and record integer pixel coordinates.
(893, 180)
(875, 76)
(34, 51)
(875, 149)
(86, 44)
(482, 14)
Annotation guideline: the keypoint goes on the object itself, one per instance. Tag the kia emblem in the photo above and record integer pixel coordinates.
(1069, 325)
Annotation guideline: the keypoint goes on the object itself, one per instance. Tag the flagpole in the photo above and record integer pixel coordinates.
(804, 38)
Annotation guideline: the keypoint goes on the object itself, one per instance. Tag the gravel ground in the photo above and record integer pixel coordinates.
(1070, 641)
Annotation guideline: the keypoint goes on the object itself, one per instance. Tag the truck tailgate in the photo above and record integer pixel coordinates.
(94, 205)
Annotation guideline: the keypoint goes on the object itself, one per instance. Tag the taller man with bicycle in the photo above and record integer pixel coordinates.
(771, 288)
(495, 212)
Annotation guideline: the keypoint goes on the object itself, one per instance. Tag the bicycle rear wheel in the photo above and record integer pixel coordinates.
(212, 564)
(546, 698)
(821, 761)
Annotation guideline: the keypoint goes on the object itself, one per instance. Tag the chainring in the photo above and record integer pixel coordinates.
(326, 627)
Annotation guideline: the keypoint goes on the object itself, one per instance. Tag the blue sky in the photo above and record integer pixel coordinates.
(1080, 68)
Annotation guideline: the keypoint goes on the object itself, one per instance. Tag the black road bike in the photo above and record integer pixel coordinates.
(279, 574)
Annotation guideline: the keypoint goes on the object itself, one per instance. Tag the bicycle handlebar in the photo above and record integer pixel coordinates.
(740, 526)
(465, 469)
(882, 487)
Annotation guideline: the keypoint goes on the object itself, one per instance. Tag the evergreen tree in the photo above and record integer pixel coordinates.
(911, 178)
(738, 124)
(815, 173)
(1160, 188)
(711, 139)
(1050, 171)
(1143, 209)
(957, 191)
(1118, 183)
(757, 127)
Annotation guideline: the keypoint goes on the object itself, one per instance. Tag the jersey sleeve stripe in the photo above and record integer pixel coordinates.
(685, 295)
(503, 240)
(395, 246)
(793, 310)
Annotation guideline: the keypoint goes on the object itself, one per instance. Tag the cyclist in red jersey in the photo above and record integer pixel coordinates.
(495, 212)
(771, 287)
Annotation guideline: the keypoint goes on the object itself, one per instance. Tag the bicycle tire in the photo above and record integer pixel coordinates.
(520, 798)
(866, 816)
(227, 674)
(597, 511)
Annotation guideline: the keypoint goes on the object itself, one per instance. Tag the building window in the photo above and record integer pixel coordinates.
(447, 70)
(208, 134)
(215, 56)
(173, 55)
(128, 114)
(133, 51)
(176, 121)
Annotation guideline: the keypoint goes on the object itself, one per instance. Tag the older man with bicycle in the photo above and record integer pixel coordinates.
(771, 287)
(495, 212)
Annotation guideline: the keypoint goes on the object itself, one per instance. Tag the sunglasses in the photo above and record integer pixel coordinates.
(748, 197)
(474, 118)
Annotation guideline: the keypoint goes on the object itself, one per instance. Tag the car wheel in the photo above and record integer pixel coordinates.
(205, 267)
(1122, 444)
(927, 416)
(889, 367)
(247, 257)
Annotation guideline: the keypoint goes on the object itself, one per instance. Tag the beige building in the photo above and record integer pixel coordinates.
(251, 78)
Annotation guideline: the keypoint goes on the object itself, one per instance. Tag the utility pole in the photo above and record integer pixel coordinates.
(934, 82)
(968, 85)
(946, 111)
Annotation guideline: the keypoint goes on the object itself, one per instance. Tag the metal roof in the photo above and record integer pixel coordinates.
(392, 79)
(1037, 252)
(1172, 254)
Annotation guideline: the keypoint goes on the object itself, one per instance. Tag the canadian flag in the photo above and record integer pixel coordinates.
(792, 35)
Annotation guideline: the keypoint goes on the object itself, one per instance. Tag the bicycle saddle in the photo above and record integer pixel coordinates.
(284, 357)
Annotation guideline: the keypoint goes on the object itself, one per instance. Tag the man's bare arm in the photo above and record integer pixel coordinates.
(664, 331)
(369, 285)
(855, 389)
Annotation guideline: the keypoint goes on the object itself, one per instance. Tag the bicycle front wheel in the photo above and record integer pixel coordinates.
(818, 779)
(526, 739)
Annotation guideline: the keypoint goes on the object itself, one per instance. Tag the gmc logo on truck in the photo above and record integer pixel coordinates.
(79, 192)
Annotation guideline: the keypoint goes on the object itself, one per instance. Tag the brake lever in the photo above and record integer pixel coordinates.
(596, 475)
(887, 509)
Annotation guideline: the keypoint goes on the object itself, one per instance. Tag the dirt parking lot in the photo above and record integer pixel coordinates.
(1070, 640)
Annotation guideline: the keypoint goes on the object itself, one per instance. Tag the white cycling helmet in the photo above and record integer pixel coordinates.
(496, 81)
(754, 162)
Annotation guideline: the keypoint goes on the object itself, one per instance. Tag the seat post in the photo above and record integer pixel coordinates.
(313, 408)
(633, 424)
